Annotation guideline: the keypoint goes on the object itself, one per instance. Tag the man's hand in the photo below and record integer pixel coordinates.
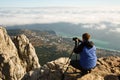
(77, 39)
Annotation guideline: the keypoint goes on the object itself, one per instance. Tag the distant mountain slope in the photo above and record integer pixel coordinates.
(49, 46)
(104, 34)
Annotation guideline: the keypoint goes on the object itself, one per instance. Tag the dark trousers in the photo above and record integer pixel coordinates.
(76, 64)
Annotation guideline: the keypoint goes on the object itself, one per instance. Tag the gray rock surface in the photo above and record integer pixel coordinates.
(15, 61)
(26, 52)
(106, 69)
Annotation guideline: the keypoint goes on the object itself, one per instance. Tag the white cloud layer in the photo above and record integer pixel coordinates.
(95, 26)
(115, 30)
(20, 16)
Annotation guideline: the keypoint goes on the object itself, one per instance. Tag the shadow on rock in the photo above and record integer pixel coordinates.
(112, 77)
(32, 75)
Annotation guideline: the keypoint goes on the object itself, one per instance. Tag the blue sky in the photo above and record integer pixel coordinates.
(59, 3)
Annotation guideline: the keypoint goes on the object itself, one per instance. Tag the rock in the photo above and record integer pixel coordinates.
(15, 63)
(32, 75)
(26, 52)
(10, 64)
(107, 69)
(51, 71)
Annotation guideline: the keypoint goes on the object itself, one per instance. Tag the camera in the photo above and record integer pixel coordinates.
(76, 39)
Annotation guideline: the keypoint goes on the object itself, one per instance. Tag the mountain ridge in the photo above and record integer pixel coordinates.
(99, 31)
(47, 44)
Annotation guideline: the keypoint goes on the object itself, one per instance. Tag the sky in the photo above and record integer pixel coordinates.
(73, 11)
(19, 16)
(59, 3)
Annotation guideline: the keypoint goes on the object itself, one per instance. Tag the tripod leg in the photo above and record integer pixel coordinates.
(63, 75)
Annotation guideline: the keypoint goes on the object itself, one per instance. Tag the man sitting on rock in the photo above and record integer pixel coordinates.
(87, 51)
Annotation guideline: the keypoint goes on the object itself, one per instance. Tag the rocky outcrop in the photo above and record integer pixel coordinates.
(16, 59)
(106, 69)
(26, 52)
(51, 71)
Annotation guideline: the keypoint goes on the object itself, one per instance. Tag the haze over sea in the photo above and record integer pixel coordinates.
(102, 23)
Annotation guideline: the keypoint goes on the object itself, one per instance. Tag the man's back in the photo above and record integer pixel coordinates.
(88, 57)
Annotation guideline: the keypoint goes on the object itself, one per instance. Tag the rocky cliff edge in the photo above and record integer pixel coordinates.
(17, 57)
(107, 69)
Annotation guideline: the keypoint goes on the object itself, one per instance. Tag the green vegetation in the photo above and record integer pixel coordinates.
(49, 46)
(46, 54)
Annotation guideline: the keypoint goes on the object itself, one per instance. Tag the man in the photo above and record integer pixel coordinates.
(87, 51)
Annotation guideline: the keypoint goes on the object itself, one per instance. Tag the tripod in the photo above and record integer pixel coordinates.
(63, 75)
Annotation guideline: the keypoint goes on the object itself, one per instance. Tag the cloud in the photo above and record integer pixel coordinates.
(95, 26)
(115, 30)
(101, 27)
(18, 16)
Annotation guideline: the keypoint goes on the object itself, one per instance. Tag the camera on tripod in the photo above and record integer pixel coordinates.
(76, 39)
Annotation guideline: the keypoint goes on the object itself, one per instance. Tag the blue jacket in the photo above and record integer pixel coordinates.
(88, 57)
